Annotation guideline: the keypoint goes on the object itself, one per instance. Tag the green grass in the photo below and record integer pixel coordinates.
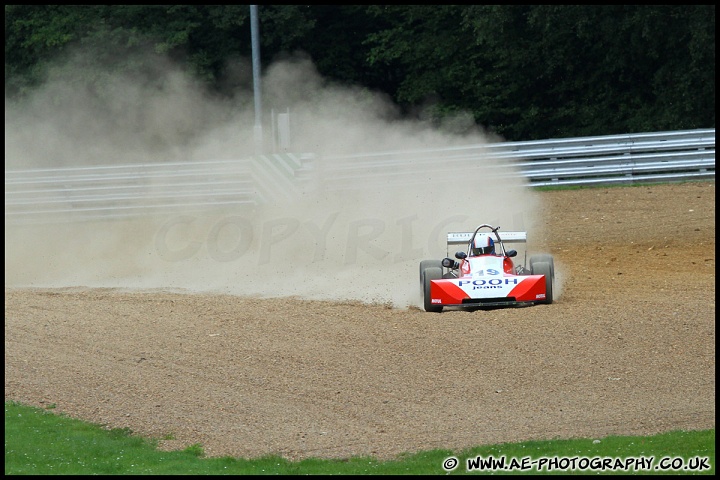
(40, 442)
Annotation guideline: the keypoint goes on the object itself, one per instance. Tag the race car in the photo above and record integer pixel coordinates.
(485, 275)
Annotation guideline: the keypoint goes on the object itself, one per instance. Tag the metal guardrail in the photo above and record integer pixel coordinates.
(633, 158)
(143, 189)
(121, 191)
(126, 190)
(604, 160)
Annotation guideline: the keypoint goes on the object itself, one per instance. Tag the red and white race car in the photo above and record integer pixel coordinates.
(486, 275)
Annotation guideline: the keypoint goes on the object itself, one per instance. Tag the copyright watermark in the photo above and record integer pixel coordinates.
(344, 240)
(580, 464)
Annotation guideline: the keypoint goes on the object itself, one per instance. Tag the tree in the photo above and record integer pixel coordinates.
(523, 71)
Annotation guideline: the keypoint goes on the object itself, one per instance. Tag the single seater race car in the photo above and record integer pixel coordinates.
(485, 275)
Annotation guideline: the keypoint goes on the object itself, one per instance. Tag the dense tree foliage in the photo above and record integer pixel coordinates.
(525, 71)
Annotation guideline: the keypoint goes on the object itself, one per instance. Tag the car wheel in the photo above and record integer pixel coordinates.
(432, 273)
(545, 268)
(542, 258)
(425, 264)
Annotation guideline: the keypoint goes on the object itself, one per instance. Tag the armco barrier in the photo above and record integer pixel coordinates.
(142, 189)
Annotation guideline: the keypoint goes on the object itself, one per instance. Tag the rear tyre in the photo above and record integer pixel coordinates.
(545, 268)
(432, 273)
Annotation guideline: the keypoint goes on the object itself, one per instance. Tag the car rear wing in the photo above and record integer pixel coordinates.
(456, 238)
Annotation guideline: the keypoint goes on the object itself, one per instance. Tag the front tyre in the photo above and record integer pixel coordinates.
(540, 258)
(432, 273)
(425, 264)
(545, 268)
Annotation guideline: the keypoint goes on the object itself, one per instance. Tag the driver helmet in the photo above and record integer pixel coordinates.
(483, 245)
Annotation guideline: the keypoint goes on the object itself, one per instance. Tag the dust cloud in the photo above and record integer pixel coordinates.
(377, 192)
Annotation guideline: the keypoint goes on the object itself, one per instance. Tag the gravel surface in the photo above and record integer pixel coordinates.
(627, 348)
